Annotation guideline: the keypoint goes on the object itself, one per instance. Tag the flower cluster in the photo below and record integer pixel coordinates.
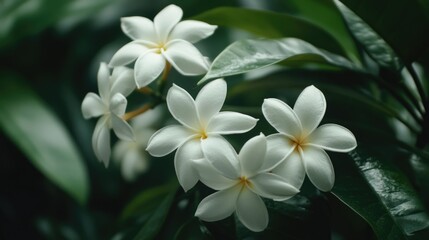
(272, 167)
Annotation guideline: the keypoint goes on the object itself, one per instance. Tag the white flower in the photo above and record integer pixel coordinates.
(110, 105)
(240, 182)
(131, 155)
(200, 120)
(161, 41)
(299, 146)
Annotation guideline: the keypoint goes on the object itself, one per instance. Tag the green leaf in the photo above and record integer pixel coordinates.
(403, 24)
(147, 200)
(247, 55)
(270, 25)
(374, 45)
(155, 222)
(381, 194)
(42, 137)
(326, 17)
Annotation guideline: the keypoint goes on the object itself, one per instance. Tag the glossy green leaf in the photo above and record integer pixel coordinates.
(247, 55)
(403, 24)
(271, 25)
(326, 17)
(381, 194)
(374, 45)
(152, 227)
(42, 137)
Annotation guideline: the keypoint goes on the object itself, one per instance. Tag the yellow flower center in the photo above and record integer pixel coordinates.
(298, 143)
(244, 181)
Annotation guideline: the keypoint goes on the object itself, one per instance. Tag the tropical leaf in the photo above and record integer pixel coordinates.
(381, 194)
(271, 25)
(42, 137)
(247, 55)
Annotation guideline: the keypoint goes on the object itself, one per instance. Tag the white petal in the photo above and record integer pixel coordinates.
(120, 149)
(103, 81)
(133, 164)
(118, 104)
(92, 106)
(281, 117)
(218, 205)
(123, 81)
(148, 67)
(127, 54)
(185, 58)
(138, 28)
(319, 169)
(333, 137)
(166, 20)
(252, 155)
(184, 164)
(271, 186)
(192, 31)
(122, 129)
(222, 156)
(279, 147)
(210, 99)
(292, 170)
(310, 108)
(167, 139)
(251, 211)
(182, 107)
(149, 119)
(211, 177)
(231, 123)
(101, 140)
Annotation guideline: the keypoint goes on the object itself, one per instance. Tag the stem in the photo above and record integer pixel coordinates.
(129, 115)
(145, 90)
(163, 80)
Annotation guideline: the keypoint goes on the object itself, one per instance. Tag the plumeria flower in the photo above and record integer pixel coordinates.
(165, 40)
(240, 182)
(131, 155)
(200, 120)
(110, 105)
(299, 146)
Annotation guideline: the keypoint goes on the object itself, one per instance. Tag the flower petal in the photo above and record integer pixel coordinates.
(182, 107)
(92, 106)
(292, 170)
(218, 205)
(252, 155)
(185, 58)
(127, 54)
(165, 21)
(211, 177)
(318, 167)
(272, 186)
(251, 211)
(133, 164)
(148, 67)
(103, 81)
(138, 28)
(101, 140)
(184, 164)
(222, 156)
(282, 117)
(122, 129)
(230, 123)
(279, 147)
(118, 104)
(192, 31)
(310, 107)
(210, 100)
(123, 81)
(333, 137)
(167, 139)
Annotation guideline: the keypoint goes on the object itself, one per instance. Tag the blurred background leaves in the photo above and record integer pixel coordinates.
(52, 187)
